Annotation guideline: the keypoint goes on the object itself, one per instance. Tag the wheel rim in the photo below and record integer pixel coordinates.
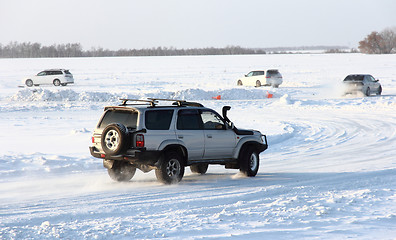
(56, 82)
(253, 161)
(173, 168)
(29, 83)
(239, 83)
(112, 140)
(258, 83)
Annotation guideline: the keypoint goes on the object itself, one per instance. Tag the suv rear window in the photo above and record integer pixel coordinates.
(354, 78)
(158, 119)
(272, 73)
(127, 118)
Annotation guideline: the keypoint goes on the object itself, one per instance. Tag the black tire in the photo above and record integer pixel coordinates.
(258, 83)
(275, 86)
(64, 84)
(114, 139)
(29, 83)
(200, 168)
(368, 92)
(249, 162)
(56, 82)
(121, 171)
(239, 83)
(171, 169)
(379, 90)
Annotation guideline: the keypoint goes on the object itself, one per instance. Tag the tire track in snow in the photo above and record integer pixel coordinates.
(339, 142)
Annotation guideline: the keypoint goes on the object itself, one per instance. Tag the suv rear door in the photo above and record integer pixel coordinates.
(189, 130)
(219, 141)
(158, 126)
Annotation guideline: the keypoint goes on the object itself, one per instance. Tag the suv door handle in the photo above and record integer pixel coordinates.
(209, 136)
(180, 136)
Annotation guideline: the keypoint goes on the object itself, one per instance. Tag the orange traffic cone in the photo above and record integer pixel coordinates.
(218, 97)
(269, 95)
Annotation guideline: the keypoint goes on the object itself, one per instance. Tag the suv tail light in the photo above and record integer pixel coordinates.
(139, 140)
(93, 140)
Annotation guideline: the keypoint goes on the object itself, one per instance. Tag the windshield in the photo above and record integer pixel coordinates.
(127, 118)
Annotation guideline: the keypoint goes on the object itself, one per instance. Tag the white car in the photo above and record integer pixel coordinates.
(271, 77)
(56, 77)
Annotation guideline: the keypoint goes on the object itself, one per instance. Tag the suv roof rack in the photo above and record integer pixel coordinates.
(153, 101)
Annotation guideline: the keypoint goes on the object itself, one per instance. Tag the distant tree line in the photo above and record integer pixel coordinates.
(36, 50)
(383, 42)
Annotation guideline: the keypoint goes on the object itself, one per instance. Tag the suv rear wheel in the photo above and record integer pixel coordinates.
(29, 83)
(249, 162)
(121, 171)
(171, 169)
(57, 82)
(114, 139)
(368, 92)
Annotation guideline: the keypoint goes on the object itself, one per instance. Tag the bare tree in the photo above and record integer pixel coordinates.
(379, 43)
(389, 40)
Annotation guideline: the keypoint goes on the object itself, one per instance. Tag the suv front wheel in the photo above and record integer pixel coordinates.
(249, 162)
(171, 169)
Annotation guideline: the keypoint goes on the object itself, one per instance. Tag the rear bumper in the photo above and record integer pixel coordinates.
(274, 81)
(133, 156)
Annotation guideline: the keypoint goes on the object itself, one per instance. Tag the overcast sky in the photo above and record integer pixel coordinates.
(116, 24)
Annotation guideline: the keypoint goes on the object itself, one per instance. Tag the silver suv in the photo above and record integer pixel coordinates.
(364, 83)
(166, 138)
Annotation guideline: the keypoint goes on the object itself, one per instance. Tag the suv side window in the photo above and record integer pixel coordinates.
(258, 73)
(158, 119)
(368, 79)
(212, 121)
(189, 119)
(249, 74)
(43, 73)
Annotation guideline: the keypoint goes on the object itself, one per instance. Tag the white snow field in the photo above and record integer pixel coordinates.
(329, 172)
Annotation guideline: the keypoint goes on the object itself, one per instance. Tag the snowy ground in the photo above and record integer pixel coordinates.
(329, 172)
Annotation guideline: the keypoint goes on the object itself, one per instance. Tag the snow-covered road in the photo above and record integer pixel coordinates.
(329, 172)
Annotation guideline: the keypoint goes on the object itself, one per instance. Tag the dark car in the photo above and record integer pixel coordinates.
(364, 83)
